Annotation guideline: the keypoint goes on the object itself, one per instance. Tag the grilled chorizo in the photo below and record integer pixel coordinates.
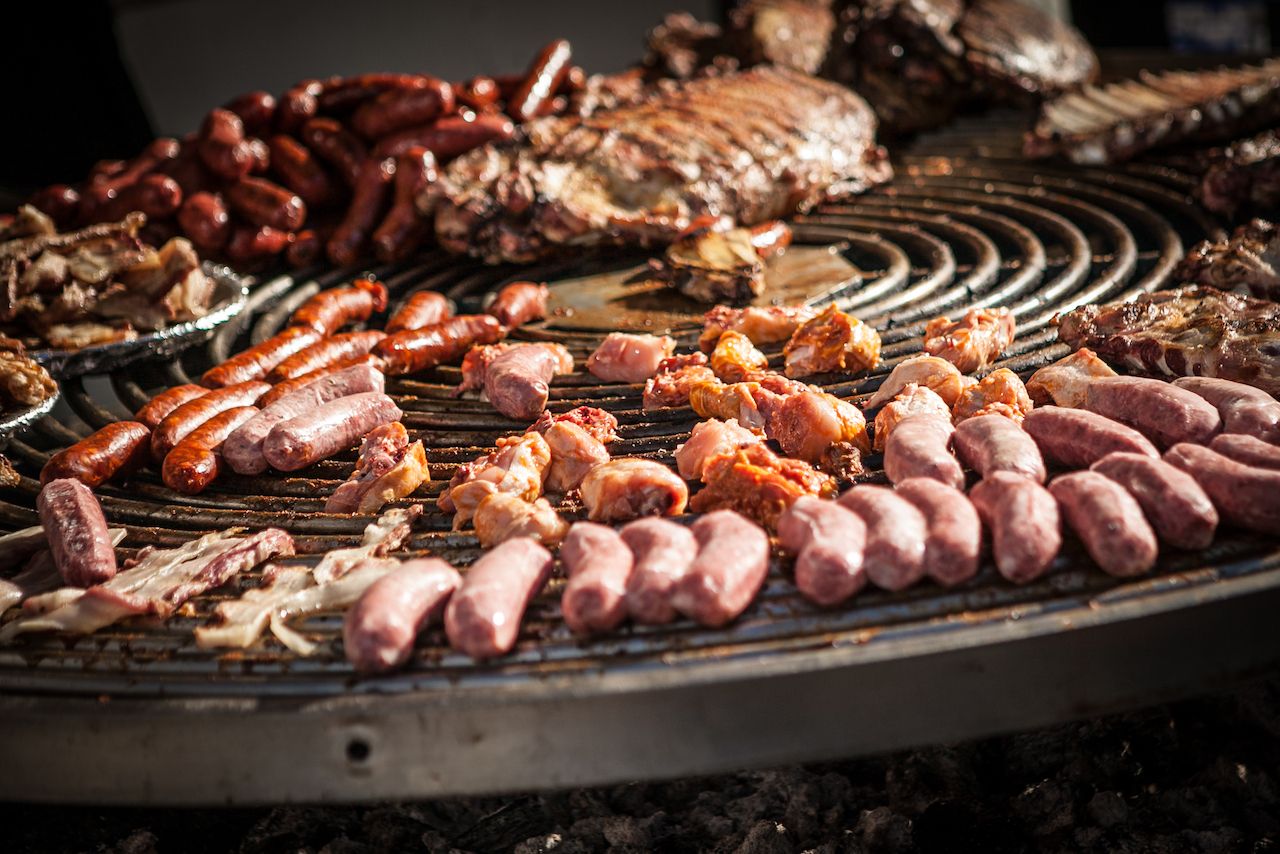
(332, 309)
(1245, 496)
(542, 82)
(478, 93)
(60, 202)
(263, 203)
(1026, 529)
(403, 230)
(158, 196)
(370, 199)
(257, 111)
(397, 109)
(337, 146)
(179, 424)
(155, 409)
(412, 350)
(251, 245)
(893, 557)
(1108, 521)
(298, 105)
(519, 303)
(117, 448)
(421, 309)
(1078, 438)
(306, 249)
(599, 565)
(326, 352)
(203, 218)
(1164, 413)
(222, 146)
(300, 171)
(152, 158)
(258, 361)
(77, 533)
(195, 462)
(448, 137)
(327, 429)
(1176, 506)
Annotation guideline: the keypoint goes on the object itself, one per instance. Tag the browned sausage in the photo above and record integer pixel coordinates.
(954, 532)
(342, 94)
(369, 202)
(189, 171)
(519, 303)
(300, 171)
(1077, 438)
(1161, 411)
(1246, 449)
(298, 105)
(222, 145)
(257, 111)
(1245, 496)
(153, 157)
(917, 447)
(542, 82)
(412, 350)
(158, 196)
(1177, 508)
(117, 448)
(250, 245)
(332, 309)
(260, 155)
(155, 409)
(261, 202)
(204, 219)
(307, 248)
(477, 93)
(1108, 521)
(77, 533)
(397, 109)
(403, 229)
(179, 424)
(1244, 409)
(257, 361)
(337, 146)
(1026, 530)
(421, 309)
(991, 443)
(281, 389)
(326, 352)
(893, 557)
(194, 462)
(448, 137)
(59, 201)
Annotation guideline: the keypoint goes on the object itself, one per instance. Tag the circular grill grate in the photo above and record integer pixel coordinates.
(966, 223)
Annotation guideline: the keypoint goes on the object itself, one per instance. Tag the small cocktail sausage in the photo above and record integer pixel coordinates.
(1077, 438)
(828, 541)
(483, 617)
(1026, 530)
(662, 553)
(896, 532)
(380, 629)
(77, 533)
(1108, 520)
(1177, 508)
(732, 562)
(954, 532)
(1244, 409)
(1161, 411)
(599, 564)
(992, 443)
(917, 447)
(1245, 496)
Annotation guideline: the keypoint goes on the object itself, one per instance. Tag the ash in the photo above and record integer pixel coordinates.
(1195, 776)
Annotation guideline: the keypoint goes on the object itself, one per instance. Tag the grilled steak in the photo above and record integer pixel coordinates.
(1246, 262)
(1244, 176)
(753, 146)
(1015, 50)
(1112, 123)
(1192, 331)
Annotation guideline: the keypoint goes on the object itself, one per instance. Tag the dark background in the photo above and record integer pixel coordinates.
(98, 79)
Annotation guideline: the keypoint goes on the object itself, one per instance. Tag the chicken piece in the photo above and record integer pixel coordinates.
(597, 422)
(738, 401)
(502, 516)
(574, 452)
(1064, 382)
(475, 365)
(912, 400)
(515, 377)
(670, 387)
(933, 373)
(819, 428)
(832, 341)
(518, 466)
(771, 324)
(388, 468)
(710, 439)
(1000, 392)
(23, 381)
(759, 484)
(626, 358)
(736, 358)
(974, 341)
(629, 488)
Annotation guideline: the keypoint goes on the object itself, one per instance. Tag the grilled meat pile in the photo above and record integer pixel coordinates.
(1247, 262)
(1113, 123)
(1192, 331)
(916, 61)
(753, 145)
(101, 283)
(1243, 176)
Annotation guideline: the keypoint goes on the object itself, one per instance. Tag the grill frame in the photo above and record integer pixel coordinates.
(977, 226)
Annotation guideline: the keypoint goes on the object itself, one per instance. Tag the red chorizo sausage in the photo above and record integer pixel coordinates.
(337, 146)
(222, 146)
(258, 361)
(326, 352)
(397, 109)
(59, 201)
(402, 231)
(152, 158)
(448, 137)
(332, 309)
(117, 448)
(478, 92)
(195, 462)
(203, 218)
(519, 303)
(370, 199)
(306, 249)
(155, 409)
(257, 111)
(542, 82)
(421, 309)
(179, 424)
(298, 105)
(412, 350)
(251, 245)
(300, 171)
(263, 203)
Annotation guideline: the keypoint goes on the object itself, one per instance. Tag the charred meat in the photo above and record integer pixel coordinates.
(1247, 262)
(1243, 176)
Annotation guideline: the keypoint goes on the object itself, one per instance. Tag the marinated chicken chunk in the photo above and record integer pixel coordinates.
(832, 341)
(629, 488)
(574, 452)
(676, 376)
(931, 372)
(626, 358)
(739, 401)
(1064, 382)
(912, 400)
(821, 429)
(1000, 392)
(503, 516)
(388, 467)
(600, 424)
(736, 358)
(974, 341)
(771, 324)
(518, 466)
(710, 439)
(757, 483)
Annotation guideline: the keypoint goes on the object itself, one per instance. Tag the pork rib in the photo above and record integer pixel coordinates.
(754, 145)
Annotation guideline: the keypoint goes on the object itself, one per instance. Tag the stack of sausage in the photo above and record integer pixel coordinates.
(330, 168)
